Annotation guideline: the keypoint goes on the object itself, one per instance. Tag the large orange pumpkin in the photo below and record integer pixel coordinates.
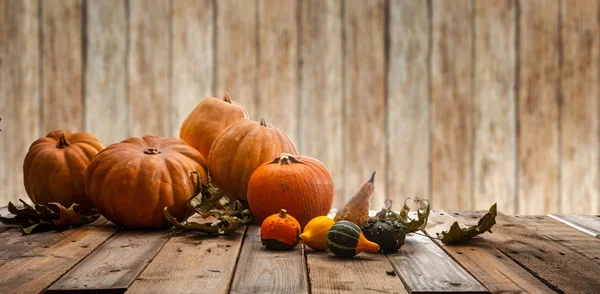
(299, 184)
(210, 117)
(133, 181)
(240, 149)
(54, 168)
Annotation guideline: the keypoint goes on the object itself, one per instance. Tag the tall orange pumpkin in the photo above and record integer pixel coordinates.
(133, 181)
(240, 149)
(54, 168)
(210, 117)
(299, 184)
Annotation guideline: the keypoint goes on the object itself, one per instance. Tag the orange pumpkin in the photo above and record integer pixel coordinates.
(210, 117)
(240, 149)
(54, 168)
(280, 231)
(133, 181)
(299, 184)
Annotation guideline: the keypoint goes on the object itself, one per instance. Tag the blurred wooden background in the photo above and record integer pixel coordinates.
(464, 102)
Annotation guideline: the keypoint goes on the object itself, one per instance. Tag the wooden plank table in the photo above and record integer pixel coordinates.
(536, 254)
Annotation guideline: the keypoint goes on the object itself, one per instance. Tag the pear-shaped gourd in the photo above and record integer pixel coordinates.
(357, 209)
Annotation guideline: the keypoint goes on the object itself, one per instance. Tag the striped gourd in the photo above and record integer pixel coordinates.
(345, 239)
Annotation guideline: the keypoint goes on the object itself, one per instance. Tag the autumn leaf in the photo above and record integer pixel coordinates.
(42, 218)
(221, 214)
(66, 216)
(457, 234)
(412, 225)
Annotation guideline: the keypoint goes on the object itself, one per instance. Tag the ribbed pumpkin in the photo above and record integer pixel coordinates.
(302, 185)
(210, 117)
(54, 168)
(133, 181)
(239, 150)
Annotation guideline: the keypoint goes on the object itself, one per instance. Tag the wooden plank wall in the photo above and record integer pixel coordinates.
(463, 102)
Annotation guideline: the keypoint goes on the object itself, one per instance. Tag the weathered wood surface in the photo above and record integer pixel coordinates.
(497, 272)
(105, 72)
(20, 111)
(236, 53)
(451, 104)
(538, 117)
(148, 68)
(580, 98)
(192, 264)
(264, 271)
(278, 64)
(193, 61)
(408, 109)
(365, 273)
(62, 66)
(321, 77)
(561, 268)
(34, 270)
(114, 265)
(364, 101)
(494, 138)
(414, 266)
(586, 223)
(562, 233)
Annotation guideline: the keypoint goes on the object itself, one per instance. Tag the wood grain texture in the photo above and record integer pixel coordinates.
(586, 223)
(105, 70)
(564, 234)
(114, 265)
(62, 60)
(488, 265)
(237, 53)
(561, 268)
(580, 108)
(321, 75)
(38, 268)
(14, 244)
(364, 97)
(148, 68)
(408, 104)
(413, 265)
(365, 273)
(260, 270)
(451, 104)
(193, 59)
(494, 106)
(190, 264)
(278, 64)
(19, 92)
(538, 108)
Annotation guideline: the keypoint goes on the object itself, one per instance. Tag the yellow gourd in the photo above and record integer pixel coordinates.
(315, 232)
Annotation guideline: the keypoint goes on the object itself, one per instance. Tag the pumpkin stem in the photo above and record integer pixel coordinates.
(62, 141)
(285, 158)
(263, 123)
(227, 97)
(151, 150)
(382, 214)
(372, 180)
(283, 213)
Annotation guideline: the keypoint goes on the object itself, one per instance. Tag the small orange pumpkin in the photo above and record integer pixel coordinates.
(280, 231)
(133, 181)
(300, 184)
(240, 149)
(54, 168)
(210, 117)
